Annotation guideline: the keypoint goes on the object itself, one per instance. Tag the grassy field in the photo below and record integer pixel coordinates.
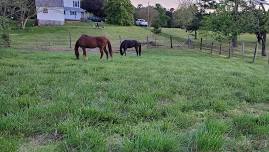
(167, 100)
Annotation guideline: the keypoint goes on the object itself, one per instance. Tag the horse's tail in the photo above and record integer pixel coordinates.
(140, 48)
(76, 49)
(109, 48)
(121, 47)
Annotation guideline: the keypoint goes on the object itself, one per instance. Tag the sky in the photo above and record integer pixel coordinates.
(165, 3)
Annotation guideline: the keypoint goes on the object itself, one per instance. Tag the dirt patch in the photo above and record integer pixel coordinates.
(36, 142)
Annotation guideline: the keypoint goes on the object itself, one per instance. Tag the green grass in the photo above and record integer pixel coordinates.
(166, 100)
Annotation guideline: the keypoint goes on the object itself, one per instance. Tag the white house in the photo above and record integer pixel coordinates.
(56, 12)
(72, 10)
(50, 12)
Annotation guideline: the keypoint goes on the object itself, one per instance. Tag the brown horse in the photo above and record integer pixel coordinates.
(86, 41)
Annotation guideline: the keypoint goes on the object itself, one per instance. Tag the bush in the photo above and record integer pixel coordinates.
(5, 39)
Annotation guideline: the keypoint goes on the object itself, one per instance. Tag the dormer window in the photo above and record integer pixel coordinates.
(76, 4)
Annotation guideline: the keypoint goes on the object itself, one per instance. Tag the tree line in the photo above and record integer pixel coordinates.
(224, 20)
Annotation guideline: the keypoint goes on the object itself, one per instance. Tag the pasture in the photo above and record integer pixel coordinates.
(167, 100)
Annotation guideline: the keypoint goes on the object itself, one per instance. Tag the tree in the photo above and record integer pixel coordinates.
(7, 10)
(163, 18)
(26, 10)
(222, 24)
(263, 24)
(120, 12)
(195, 24)
(19, 10)
(148, 13)
(189, 18)
(171, 18)
(257, 22)
(97, 7)
(140, 6)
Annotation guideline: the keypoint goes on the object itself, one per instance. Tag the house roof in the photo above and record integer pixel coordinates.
(49, 3)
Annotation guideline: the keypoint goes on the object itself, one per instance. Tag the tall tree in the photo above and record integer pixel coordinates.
(26, 10)
(148, 13)
(263, 21)
(120, 12)
(163, 18)
(222, 24)
(171, 19)
(97, 7)
(189, 18)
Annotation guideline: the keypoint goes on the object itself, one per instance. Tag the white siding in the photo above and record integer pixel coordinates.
(69, 3)
(54, 14)
(68, 16)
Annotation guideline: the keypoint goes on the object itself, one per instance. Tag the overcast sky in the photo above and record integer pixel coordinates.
(165, 3)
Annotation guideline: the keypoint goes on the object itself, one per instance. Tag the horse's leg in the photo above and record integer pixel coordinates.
(125, 50)
(106, 53)
(136, 50)
(102, 53)
(85, 54)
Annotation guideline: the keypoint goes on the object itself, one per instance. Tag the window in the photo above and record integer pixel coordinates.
(73, 13)
(76, 4)
(45, 10)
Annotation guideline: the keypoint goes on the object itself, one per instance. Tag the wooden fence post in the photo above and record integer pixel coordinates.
(220, 48)
(201, 44)
(120, 39)
(36, 44)
(171, 41)
(255, 52)
(243, 51)
(155, 42)
(147, 41)
(212, 46)
(229, 49)
(70, 40)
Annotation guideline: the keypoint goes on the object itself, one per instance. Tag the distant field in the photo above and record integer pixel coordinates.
(167, 100)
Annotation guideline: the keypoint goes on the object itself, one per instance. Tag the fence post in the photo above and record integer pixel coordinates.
(171, 41)
(243, 51)
(188, 41)
(220, 48)
(70, 40)
(212, 45)
(120, 39)
(229, 49)
(36, 44)
(147, 41)
(155, 42)
(201, 44)
(255, 52)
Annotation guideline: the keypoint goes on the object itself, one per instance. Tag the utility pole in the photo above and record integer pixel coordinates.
(148, 15)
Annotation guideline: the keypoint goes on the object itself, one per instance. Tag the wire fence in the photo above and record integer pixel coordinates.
(248, 51)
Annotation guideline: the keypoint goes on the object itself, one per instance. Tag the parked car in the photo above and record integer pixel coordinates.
(141, 22)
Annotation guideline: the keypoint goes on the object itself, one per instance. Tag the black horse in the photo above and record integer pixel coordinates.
(130, 44)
